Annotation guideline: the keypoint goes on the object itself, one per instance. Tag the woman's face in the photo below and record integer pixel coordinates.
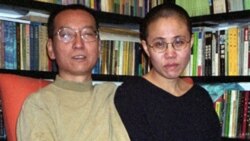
(170, 62)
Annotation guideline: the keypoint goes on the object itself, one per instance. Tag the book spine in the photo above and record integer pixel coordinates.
(10, 45)
(208, 53)
(195, 54)
(245, 50)
(222, 47)
(18, 46)
(2, 45)
(233, 65)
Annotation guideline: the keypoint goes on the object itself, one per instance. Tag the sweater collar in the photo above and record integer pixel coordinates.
(75, 86)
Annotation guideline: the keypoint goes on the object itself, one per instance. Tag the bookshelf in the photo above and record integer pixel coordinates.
(132, 21)
(120, 78)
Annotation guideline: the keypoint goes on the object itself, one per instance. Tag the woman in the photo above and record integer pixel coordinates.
(160, 105)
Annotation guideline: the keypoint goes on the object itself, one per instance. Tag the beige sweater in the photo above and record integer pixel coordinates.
(69, 111)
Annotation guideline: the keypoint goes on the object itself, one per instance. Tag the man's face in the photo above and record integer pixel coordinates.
(75, 56)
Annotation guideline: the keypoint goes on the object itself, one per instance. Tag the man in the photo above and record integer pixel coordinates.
(72, 108)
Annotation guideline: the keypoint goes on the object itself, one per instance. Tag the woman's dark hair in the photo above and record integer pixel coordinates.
(163, 10)
(64, 8)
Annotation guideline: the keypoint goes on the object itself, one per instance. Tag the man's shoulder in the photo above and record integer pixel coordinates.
(105, 86)
(37, 95)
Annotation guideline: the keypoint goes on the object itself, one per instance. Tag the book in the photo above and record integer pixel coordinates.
(243, 129)
(248, 118)
(234, 5)
(195, 7)
(40, 17)
(26, 45)
(48, 1)
(137, 62)
(218, 105)
(200, 52)
(10, 45)
(222, 50)
(1, 45)
(120, 58)
(215, 54)
(233, 113)
(115, 58)
(104, 50)
(245, 50)
(226, 118)
(219, 6)
(195, 54)
(18, 45)
(233, 44)
(44, 61)
(125, 58)
(246, 4)
(208, 53)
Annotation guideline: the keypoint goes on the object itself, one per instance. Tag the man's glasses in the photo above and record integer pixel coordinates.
(67, 34)
(159, 45)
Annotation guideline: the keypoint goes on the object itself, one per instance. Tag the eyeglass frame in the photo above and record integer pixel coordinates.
(166, 45)
(75, 31)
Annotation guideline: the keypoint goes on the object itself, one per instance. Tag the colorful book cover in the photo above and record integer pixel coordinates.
(18, 45)
(195, 54)
(234, 5)
(233, 51)
(208, 53)
(1, 45)
(10, 45)
(219, 6)
(215, 54)
(222, 50)
(245, 50)
(195, 7)
(246, 4)
(34, 45)
(43, 64)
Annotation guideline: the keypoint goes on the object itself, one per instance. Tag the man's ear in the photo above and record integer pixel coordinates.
(50, 49)
(145, 47)
(99, 46)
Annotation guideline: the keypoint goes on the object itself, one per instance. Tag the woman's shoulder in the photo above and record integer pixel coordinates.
(133, 87)
(200, 93)
(136, 81)
(198, 88)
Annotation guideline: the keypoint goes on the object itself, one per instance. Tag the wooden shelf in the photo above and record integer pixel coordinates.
(215, 19)
(120, 78)
(233, 139)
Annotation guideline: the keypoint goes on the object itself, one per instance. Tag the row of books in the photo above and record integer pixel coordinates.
(220, 51)
(125, 7)
(121, 58)
(233, 109)
(207, 7)
(23, 46)
(217, 51)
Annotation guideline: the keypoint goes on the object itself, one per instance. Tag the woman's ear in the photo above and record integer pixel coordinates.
(192, 41)
(145, 47)
(50, 49)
